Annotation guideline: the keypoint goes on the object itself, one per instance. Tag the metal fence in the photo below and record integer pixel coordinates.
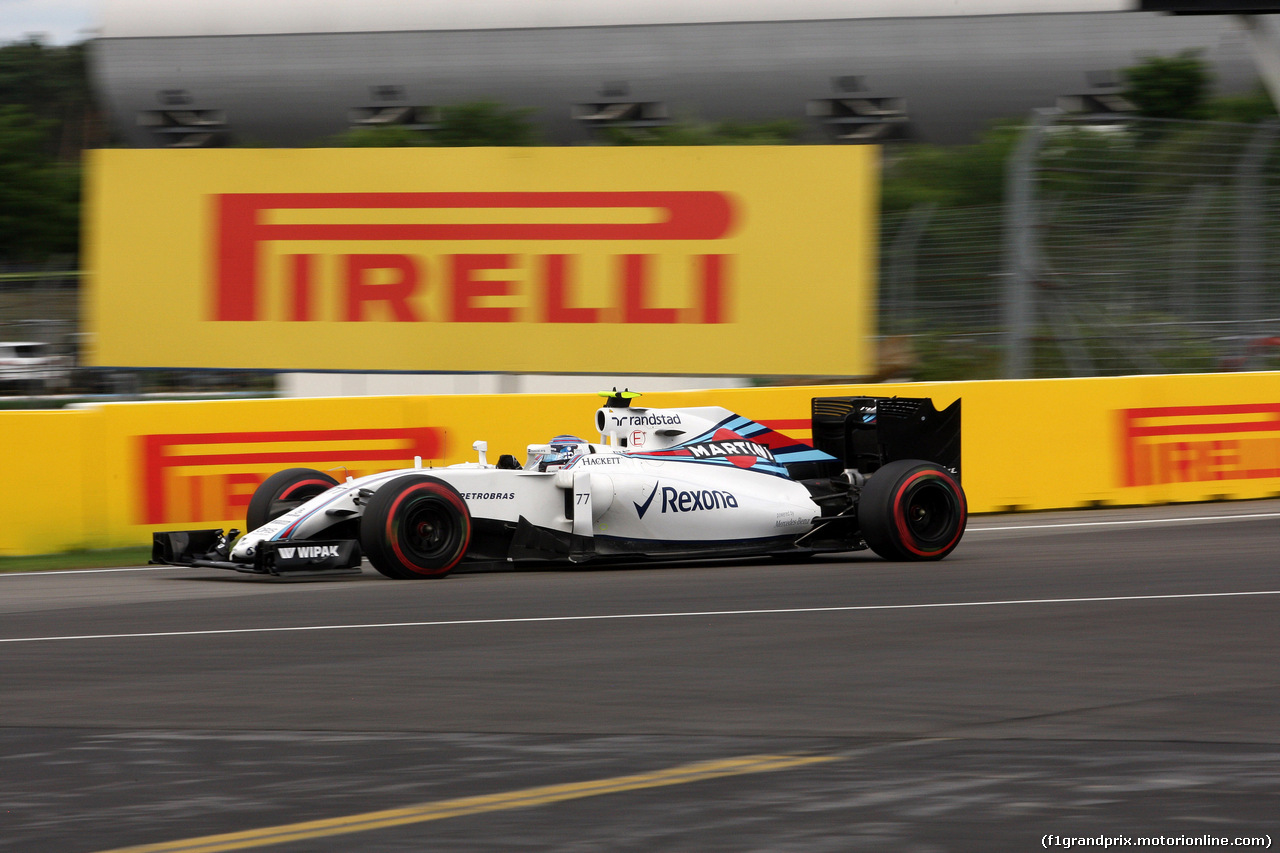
(1133, 246)
(1137, 247)
(41, 305)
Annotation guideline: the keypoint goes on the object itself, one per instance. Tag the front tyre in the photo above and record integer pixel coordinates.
(416, 526)
(912, 510)
(283, 491)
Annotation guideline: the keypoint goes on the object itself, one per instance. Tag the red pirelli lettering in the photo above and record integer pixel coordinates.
(559, 291)
(635, 290)
(1185, 444)
(181, 463)
(469, 288)
(242, 226)
(399, 281)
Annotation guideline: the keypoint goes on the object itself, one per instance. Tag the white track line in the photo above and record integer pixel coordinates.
(620, 616)
(61, 572)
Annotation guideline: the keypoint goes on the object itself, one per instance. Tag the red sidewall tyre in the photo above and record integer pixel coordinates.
(416, 526)
(283, 491)
(912, 510)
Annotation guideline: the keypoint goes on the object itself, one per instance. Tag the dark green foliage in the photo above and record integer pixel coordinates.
(1171, 87)
(52, 84)
(390, 136)
(939, 358)
(1252, 108)
(483, 123)
(956, 176)
(780, 132)
(487, 123)
(44, 111)
(39, 197)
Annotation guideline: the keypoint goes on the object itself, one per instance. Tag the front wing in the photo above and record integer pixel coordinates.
(296, 558)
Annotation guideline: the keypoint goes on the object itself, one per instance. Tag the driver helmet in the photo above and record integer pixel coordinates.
(561, 450)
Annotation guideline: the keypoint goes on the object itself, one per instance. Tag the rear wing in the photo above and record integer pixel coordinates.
(867, 432)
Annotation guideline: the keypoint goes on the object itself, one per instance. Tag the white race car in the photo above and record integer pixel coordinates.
(882, 473)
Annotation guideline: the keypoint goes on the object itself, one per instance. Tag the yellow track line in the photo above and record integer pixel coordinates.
(681, 775)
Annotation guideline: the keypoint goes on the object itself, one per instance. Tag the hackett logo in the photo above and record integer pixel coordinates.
(489, 287)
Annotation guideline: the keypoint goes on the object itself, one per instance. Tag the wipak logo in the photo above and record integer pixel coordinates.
(308, 552)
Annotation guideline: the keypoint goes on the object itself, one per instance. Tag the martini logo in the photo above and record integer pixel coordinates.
(727, 444)
(362, 278)
(1199, 444)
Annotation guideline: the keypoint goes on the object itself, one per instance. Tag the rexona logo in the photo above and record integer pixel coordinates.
(209, 477)
(308, 552)
(691, 500)
(255, 265)
(1197, 444)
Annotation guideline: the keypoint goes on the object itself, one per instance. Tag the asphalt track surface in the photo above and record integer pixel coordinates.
(1104, 674)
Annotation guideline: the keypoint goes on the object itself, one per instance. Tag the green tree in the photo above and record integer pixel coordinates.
(949, 176)
(779, 132)
(52, 84)
(485, 123)
(1172, 87)
(389, 136)
(1250, 108)
(39, 197)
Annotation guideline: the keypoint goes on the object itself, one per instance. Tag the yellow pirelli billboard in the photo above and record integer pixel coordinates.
(553, 260)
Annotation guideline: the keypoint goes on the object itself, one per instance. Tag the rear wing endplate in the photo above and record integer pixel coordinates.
(867, 432)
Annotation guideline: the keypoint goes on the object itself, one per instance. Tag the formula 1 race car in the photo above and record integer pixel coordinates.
(881, 472)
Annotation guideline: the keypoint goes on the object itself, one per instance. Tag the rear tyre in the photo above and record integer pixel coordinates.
(912, 510)
(283, 491)
(416, 526)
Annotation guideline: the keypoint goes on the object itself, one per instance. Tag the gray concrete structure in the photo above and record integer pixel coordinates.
(296, 72)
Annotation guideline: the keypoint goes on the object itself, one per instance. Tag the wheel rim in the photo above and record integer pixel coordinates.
(428, 534)
(929, 515)
(428, 531)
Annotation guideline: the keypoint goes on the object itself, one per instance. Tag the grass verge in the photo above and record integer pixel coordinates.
(109, 558)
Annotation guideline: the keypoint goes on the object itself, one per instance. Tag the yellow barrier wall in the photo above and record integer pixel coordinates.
(106, 476)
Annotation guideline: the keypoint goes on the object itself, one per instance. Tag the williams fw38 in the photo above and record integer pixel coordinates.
(881, 473)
